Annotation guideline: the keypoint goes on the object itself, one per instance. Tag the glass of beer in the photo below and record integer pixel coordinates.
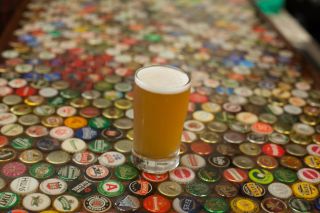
(161, 95)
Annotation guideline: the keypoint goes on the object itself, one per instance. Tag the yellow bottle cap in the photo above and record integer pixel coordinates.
(75, 122)
(305, 190)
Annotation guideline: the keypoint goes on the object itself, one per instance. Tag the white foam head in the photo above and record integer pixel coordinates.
(162, 79)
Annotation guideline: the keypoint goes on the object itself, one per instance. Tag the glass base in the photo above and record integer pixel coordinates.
(155, 166)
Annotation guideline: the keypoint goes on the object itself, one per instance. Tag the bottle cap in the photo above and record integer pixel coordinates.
(305, 190)
(235, 175)
(219, 161)
(112, 159)
(280, 190)
(13, 169)
(198, 189)
(170, 188)
(244, 205)
(314, 149)
(209, 174)
(192, 161)
(182, 175)
(86, 133)
(267, 162)
(111, 188)
(97, 172)
(41, 170)
(66, 203)
(226, 189)
(261, 176)
(156, 178)
(8, 200)
(82, 189)
(273, 150)
(53, 186)
(97, 204)
(272, 204)
(156, 203)
(140, 187)
(58, 157)
(61, 132)
(300, 205)
(216, 205)
(73, 145)
(253, 189)
(48, 144)
(24, 185)
(309, 175)
(243, 162)
(69, 173)
(31, 156)
(84, 158)
(126, 172)
(285, 175)
(7, 154)
(99, 146)
(36, 202)
(186, 204)
(127, 203)
(124, 146)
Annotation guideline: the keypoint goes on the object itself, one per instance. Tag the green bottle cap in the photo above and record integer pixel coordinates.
(261, 176)
(285, 175)
(152, 37)
(111, 188)
(209, 174)
(216, 205)
(103, 86)
(126, 172)
(41, 170)
(198, 189)
(8, 200)
(69, 94)
(21, 143)
(56, 101)
(99, 146)
(99, 123)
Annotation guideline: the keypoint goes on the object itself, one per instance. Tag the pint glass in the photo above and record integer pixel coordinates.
(161, 95)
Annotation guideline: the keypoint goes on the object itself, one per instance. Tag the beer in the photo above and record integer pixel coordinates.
(160, 105)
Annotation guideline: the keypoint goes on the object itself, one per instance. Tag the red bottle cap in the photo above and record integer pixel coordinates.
(273, 150)
(235, 175)
(156, 203)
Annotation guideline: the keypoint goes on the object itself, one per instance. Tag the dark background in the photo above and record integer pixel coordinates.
(307, 12)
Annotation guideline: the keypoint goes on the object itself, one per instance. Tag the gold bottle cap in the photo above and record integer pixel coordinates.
(31, 156)
(123, 146)
(29, 120)
(34, 100)
(250, 149)
(12, 99)
(112, 113)
(58, 157)
(170, 188)
(129, 134)
(123, 104)
(52, 121)
(7, 154)
(291, 162)
(79, 102)
(267, 162)
(11, 129)
(21, 109)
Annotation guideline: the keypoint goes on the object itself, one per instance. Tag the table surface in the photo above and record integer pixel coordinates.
(251, 135)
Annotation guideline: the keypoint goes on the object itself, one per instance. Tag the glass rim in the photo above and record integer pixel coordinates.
(186, 85)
